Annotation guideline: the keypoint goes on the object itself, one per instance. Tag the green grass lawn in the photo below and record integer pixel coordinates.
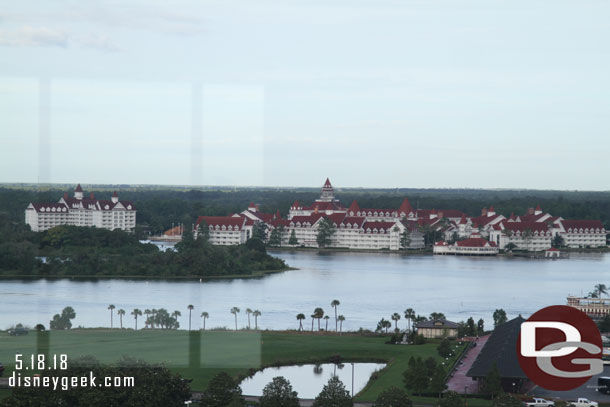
(199, 356)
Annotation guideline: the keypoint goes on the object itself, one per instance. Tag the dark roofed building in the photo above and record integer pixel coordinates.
(438, 328)
(501, 350)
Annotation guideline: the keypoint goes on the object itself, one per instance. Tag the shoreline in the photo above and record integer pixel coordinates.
(415, 252)
(257, 274)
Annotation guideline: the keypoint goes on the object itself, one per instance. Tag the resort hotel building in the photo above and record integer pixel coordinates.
(80, 211)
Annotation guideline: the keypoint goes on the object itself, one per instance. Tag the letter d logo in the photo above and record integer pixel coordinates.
(559, 348)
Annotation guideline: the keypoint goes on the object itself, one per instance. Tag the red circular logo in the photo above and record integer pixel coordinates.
(559, 348)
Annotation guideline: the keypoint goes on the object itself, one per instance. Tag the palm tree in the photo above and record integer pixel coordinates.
(176, 314)
(136, 312)
(154, 316)
(341, 318)
(395, 317)
(235, 311)
(601, 289)
(256, 314)
(300, 318)
(248, 311)
(409, 315)
(437, 316)
(190, 308)
(205, 316)
(111, 307)
(121, 312)
(319, 313)
(326, 317)
(147, 312)
(335, 304)
(313, 317)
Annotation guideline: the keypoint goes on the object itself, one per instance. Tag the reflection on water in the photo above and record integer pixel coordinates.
(308, 380)
(369, 287)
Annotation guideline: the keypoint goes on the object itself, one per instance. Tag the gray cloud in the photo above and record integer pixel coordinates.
(28, 36)
(100, 42)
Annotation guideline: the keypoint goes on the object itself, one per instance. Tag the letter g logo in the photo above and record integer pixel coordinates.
(555, 344)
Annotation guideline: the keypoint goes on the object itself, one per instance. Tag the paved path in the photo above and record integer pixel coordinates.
(460, 381)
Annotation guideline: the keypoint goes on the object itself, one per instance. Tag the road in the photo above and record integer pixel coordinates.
(587, 390)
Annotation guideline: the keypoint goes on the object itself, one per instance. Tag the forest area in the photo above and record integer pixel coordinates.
(90, 252)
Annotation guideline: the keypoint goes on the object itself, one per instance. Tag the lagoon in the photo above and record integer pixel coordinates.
(369, 286)
(308, 380)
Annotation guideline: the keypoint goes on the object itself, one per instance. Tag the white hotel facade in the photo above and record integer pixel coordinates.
(78, 211)
(382, 229)
(355, 228)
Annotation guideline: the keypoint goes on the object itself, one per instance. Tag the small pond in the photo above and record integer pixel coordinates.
(308, 380)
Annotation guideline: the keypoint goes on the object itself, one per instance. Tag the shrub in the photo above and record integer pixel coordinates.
(393, 397)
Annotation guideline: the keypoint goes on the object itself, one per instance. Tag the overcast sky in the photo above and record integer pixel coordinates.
(431, 93)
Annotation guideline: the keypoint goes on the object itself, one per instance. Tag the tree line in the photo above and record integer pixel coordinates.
(92, 252)
(159, 208)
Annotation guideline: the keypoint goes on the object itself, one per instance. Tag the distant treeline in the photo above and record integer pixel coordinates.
(67, 251)
(158, 209)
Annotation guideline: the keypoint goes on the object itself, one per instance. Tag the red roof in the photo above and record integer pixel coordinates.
(450, 213)
(582, 224)
(327, 184)
(296, 204)
(222, 221)
(463, 220)
(115, 195)
(78, 188)
(49, 206)
(265, 217)
(276, 223)
(380, 212)
(532, 217)
(324, 206)
(353, 207)
(538, 207)
(476, 242)
(441, 213)
(357, 220)
(405, 207)
(336, 218)
(175, 231)
(524, 226)
(379, 225)
(484, 219)
(311, 219)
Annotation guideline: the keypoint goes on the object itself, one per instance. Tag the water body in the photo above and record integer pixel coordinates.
(308, 380)
(369, 286)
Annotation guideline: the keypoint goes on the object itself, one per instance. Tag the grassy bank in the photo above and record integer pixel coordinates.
(10, 275)
(200, 355)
